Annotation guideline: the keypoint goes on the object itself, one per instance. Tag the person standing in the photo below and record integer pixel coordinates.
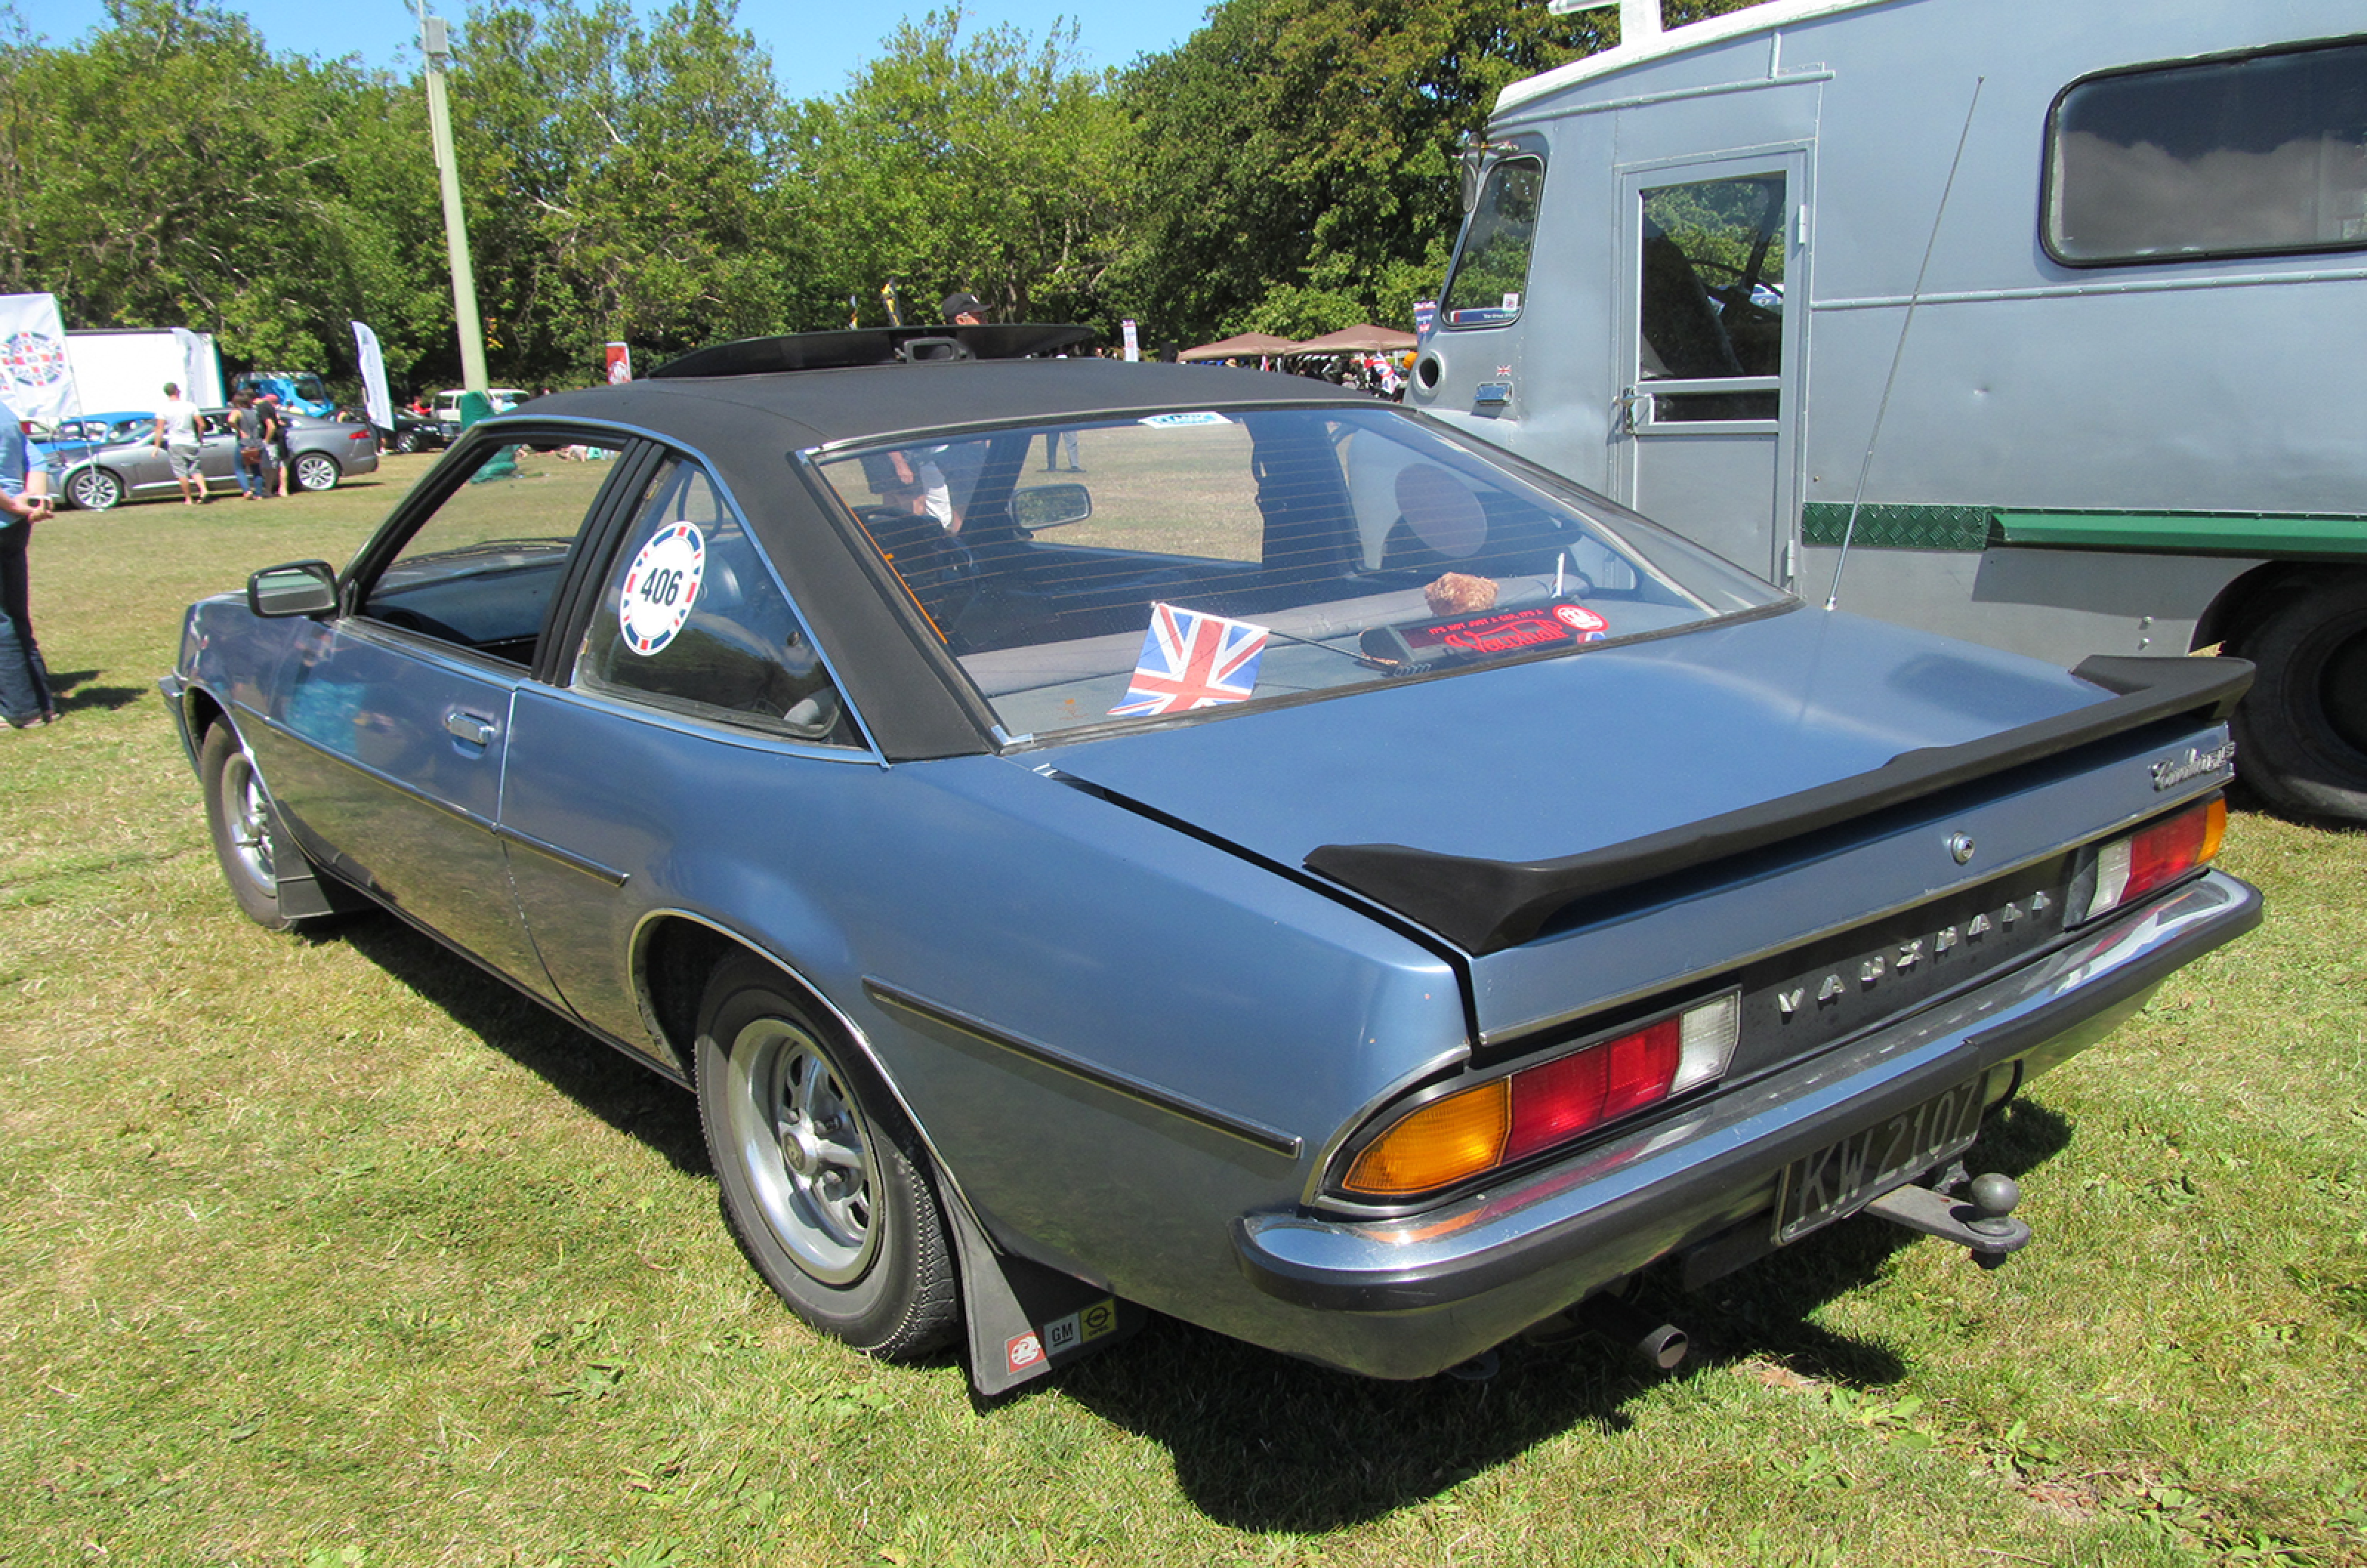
(178, 434)
(26, 698)
(246, 433)
(275, 444)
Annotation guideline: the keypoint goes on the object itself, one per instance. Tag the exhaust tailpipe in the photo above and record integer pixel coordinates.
(1663, 1344)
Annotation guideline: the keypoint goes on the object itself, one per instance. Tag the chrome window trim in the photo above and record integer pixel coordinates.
(869, 751)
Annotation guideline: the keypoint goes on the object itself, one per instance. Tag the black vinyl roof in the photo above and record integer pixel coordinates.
(819, 407)
(749, 428)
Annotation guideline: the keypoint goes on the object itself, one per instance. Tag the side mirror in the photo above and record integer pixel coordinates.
(299, 588)
(1471, 158)
(1048, 506)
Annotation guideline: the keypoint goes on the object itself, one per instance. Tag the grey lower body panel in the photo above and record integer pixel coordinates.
(1407, 1297)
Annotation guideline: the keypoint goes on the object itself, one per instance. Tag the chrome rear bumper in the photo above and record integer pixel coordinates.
(1500, 1258)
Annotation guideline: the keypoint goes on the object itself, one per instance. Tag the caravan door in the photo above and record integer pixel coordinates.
(1710, 308)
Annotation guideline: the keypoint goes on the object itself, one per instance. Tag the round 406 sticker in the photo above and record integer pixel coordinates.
(1589, 626)
(661, 586)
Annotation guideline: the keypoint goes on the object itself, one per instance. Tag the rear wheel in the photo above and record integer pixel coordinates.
(404, 442)
(2300, 732)
(316, 471)
(238, 810)
(822, 1184)
(95, 490)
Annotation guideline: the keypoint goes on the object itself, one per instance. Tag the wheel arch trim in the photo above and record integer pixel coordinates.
(645, 929)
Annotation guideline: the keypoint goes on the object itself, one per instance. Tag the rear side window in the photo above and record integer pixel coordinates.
(2247, 156)
(1492, 274)
(692, 618)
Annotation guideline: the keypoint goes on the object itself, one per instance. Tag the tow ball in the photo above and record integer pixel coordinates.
(1980, 1222)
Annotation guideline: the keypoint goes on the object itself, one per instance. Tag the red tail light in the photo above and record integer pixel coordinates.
(1459, 1135)
(2156, 855)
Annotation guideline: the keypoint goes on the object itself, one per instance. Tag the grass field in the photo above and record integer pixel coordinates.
(329, 1251)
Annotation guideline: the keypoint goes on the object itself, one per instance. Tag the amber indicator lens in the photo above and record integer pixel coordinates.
(1440, 1144)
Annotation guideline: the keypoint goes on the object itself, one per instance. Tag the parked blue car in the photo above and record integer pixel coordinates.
(71, 440)
(1308, 873)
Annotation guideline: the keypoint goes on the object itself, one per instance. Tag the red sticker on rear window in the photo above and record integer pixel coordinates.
(1509, 631)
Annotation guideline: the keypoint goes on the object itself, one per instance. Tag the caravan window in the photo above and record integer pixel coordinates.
(2240, 156)
(1493, 271)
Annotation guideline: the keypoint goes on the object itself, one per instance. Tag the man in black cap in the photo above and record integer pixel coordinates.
(962, 310)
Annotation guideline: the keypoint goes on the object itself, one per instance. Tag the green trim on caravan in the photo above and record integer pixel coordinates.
(1902, 526)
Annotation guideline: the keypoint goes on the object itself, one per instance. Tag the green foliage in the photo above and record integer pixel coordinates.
(622, 181)
(1289, 168)
(173, 172)
(1301, 149)
(985, 163)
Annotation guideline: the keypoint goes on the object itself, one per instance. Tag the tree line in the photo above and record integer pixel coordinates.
(1288, 168)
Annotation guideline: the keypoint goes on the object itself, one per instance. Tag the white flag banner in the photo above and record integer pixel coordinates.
(200, 381)
(35, 377)
(374, 398)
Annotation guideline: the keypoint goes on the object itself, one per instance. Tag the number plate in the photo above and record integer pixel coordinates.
(1837, 1182)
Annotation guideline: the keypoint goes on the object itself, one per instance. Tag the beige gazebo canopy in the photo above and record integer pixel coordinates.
(1363, 338)
(1248, 345)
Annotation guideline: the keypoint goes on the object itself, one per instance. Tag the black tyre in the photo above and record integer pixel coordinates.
(238, 810)
(403, 443)
(2300, 732)
(822, 1184)
(316, 471)
(95, 490)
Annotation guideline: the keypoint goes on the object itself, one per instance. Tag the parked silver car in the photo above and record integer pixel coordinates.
(133, 467)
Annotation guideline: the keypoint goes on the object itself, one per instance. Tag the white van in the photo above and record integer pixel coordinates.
(446, 408)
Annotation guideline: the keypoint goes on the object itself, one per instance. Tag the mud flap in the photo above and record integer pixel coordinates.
(306, 894)
(1025, 1319)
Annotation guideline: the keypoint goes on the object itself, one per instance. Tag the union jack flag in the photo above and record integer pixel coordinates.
(1192, 661)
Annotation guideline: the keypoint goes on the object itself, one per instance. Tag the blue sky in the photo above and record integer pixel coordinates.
(815, 47)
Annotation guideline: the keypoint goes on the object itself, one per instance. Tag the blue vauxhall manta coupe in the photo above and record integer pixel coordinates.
(1308, 873)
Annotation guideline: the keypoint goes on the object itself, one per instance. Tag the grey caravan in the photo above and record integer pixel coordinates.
(2052, 307)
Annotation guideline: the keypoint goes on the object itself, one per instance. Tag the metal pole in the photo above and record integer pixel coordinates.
(433, 43)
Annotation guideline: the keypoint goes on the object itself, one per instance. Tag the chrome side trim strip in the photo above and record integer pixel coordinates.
(1270, 1139)
(414, 792)
(567, 858)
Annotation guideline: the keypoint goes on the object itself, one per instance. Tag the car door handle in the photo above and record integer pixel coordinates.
(470, 728)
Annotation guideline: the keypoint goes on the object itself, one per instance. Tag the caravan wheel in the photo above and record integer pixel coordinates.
(2300, 732)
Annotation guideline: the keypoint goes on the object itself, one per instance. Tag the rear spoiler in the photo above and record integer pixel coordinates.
(1484, 905)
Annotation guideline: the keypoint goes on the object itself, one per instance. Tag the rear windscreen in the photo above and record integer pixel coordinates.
(1120, 571)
